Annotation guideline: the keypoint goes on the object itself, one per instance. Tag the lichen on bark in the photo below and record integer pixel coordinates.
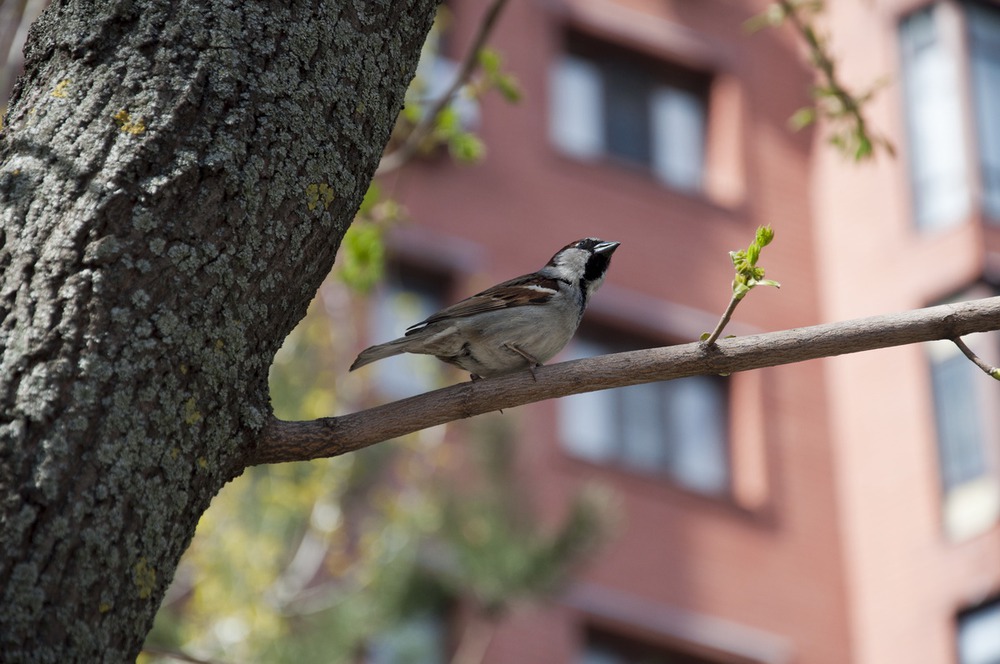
(156, 245)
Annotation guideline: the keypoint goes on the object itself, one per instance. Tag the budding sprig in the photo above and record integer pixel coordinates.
(748, 276)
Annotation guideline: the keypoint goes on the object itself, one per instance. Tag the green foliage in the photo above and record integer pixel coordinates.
(497, 551)
(494, 76)
(802, 118)
(466, 147)
(429, 122)
(424, 125)
(842, 110)
(777, 12)
(362, 261)
(300, 562)
(748, 273)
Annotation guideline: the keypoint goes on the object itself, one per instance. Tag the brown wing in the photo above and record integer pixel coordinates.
(526, 290)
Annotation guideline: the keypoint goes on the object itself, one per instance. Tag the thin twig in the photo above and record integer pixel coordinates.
(712, 338)
(298, 441)
(824, 63)
(411, 144)
(991, 371)
(851, 105)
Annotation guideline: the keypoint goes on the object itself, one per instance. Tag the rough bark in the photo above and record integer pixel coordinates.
(175, 179)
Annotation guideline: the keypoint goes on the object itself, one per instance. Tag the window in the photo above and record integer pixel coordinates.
(933, 42)
(605, 648)
(606, 101)
(979, 635)
(938, 158)
(408, 296)
(676, 428)
(984, 46)
(965, 411)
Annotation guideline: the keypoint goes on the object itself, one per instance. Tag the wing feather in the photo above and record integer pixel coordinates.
(526, 290)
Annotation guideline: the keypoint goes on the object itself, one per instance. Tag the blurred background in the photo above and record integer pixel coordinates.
(835, 511)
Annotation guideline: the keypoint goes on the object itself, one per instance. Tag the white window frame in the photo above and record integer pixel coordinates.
(675, 126)
(576, 115)
(937, 120)
(594, 426)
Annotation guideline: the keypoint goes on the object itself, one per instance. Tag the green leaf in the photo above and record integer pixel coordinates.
(490, 61)
(802, 118)
(466, 147)
(372, 196)
(363, 256)
(738, 258)
(864, 147)
(509, 87)
(447, 122)
(765, 234)
(492, 65)
(412, 112)
(748, 273)
(774, 15)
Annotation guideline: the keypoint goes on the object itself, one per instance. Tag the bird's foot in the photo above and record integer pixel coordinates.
(532, 362)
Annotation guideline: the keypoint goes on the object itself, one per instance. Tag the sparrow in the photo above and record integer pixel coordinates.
(515, 325)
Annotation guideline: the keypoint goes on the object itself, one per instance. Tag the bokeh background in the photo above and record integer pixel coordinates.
(836, 511)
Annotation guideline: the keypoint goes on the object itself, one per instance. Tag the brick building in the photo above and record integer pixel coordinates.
(833, 511)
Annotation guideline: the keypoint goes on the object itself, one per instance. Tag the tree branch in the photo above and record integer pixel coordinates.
(298, 441)
(858, 138)
(988, 369)
(398, 157)
(823, 62)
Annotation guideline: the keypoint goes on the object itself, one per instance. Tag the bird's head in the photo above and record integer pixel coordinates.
(585, 262)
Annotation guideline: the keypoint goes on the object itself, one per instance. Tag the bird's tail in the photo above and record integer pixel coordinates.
(380, 352)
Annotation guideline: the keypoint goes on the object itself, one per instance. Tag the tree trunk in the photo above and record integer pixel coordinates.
(175, 179)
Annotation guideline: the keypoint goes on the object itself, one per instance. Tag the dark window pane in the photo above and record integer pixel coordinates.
(648, 112)
(605, 648)
(979, 635)
(984, 40)
(626, 111)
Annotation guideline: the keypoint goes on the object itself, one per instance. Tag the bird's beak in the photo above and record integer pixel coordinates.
(606, 247)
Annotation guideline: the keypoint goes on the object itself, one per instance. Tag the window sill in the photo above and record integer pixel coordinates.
(606, 171)
(972, 509)
(662, 488)
(703, 635)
